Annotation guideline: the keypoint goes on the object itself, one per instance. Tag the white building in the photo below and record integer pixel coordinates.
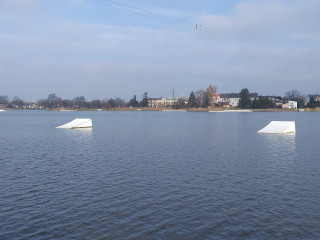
(290, 105)
(232, 99)
(171, 101)
(156, 102)
(162, 102)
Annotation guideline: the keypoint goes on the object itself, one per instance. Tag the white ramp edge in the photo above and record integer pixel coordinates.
(279, 127)
(78, 123)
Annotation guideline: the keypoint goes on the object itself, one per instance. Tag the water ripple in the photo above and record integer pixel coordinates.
(189, 176)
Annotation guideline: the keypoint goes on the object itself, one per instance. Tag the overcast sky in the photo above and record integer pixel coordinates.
(102, 49)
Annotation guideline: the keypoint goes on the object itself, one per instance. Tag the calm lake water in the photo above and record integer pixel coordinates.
(158, 175)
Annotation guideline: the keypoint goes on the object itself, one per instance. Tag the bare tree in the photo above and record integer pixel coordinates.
(119, 102)
(17, 102)
(95, 104)
(67, 103)
(42, 103)
(52, 100)
(110, 103)
(293, 95)
(202, 99)
(4, 100)
(181, 103)
(79, 102)
(212, 91)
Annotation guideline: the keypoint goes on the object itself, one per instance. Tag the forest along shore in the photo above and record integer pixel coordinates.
(186, 109)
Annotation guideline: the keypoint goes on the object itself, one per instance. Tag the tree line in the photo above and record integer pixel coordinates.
(198, 99)
(313, 103)
(267, 102)
(80, 102)
(53, 101)
(205, 99)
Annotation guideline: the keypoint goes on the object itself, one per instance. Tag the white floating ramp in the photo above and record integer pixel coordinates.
(279, 127)
(78, 123)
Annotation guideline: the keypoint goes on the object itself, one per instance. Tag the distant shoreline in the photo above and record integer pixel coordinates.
(177, 110)
(192, 109)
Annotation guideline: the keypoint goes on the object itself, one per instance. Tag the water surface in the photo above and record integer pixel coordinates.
(158, 175)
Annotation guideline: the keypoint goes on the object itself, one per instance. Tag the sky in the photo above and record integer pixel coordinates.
(104, 49)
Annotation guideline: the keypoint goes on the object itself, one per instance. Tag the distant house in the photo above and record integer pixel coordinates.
(220, 101)
(232, 99)
(156, 102)
(162, 102)
(315, 97)
(290, 105)
(32, 106)
(171, 101)
(277, 101)
(229, 99)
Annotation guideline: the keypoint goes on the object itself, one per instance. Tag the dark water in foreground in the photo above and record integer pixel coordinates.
(158, 175)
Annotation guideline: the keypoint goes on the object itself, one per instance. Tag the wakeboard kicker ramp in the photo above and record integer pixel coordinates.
(78, 123)
(279, 127)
